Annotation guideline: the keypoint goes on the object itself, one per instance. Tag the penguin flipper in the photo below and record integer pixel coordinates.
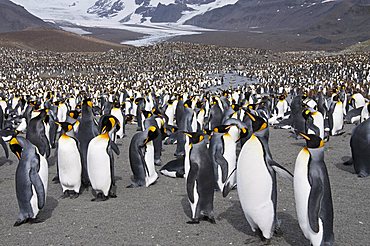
(39, 187)
(227, 187)
(314, 203)
(142, 156)
(282, 171)
(190, 181)
(221, 161)
(114, 147)
(5, 147)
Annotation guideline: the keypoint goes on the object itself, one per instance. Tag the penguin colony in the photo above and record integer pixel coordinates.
(80, 107)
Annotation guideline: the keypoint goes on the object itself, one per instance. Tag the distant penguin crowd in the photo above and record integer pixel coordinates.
(50, 101)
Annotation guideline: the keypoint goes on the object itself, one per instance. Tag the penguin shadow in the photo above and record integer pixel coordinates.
(235, 217)
(291, 231)
(186, 206)
(4, 160)
(50, 205)
(346, 165)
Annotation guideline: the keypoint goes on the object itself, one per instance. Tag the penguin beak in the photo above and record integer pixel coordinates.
(251, 116)
(304, 136)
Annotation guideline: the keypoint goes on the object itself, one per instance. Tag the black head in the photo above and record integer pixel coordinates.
(235, 107)
(258, 123)
(313, 141)
(73, 114)
(153, 133)
(88, 102)
(15, 147)
(306, 114)
(108, 122)
(188, 103)
(222, 129)
(66, 126)
(147, 114)
(195, 137)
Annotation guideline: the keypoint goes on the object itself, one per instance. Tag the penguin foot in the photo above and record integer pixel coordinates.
(133, 185)
(193, 221)
(100, 198)
(362, 174)
(20, 222)
(56, 180)
(210, 219)
(35, 221)
(278, 232)
(65, 194)
(74, 195)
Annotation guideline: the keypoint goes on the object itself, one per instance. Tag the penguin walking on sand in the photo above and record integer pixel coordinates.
(141, 155)
(312, 193)
(256, 171)
(100, 161)
(198, 173)
(69, 162)
(31, 179)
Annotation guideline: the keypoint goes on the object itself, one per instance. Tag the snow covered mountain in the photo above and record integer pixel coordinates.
(163, 19)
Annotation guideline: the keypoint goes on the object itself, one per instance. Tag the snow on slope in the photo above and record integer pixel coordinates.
(76, 12)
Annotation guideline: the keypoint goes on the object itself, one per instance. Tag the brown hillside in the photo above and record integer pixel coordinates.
(55, 40)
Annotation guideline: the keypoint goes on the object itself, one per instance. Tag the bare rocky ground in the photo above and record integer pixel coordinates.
(157, 215)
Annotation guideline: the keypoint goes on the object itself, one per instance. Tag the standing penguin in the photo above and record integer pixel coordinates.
(223, 149)
(360, 145)
(100, 161)
(141, 154)
(312, 193)
(257, 171)
(31, 179)
(335, 116)
(36, 133)
(198, 173)
(86, 131)
(69, 162)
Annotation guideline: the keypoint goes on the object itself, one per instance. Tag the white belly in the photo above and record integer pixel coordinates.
(196, 199)
(149, 160)
(116, 112)
(230, 156)
(98, 165)
(318, 121)
(69, 164)
(255, 187)
(302, 190)
(337, 119)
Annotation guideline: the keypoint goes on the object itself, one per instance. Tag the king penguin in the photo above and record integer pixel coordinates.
(141, 155)
(69, 162)
(256, 171)
(199, 185)
(312, 193)
(31, 179)
(87, 130)
(100, 161)
(360, 145)
(36, 133)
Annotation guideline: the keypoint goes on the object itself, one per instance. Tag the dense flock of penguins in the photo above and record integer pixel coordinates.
(221, 136)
